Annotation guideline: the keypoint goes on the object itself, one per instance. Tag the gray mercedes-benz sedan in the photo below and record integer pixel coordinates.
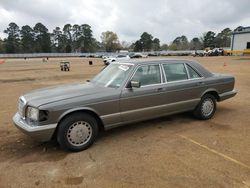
(122, 93)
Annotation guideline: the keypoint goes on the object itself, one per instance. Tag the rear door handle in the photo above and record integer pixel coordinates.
(200, 83)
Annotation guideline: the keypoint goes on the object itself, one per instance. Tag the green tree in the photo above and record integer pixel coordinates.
(209, 39)
(146, 41)
(110, 41)
(87, 38)
(12, 42)
(195, 44)
(156, 44)
(83, 38)
(223, 39)
(164, 47)
(27, 39)
(68, 32)
(137, 46)
(173, 46)
(98, 46)
(1, 46)
(42, 38)
(59, 40)
(181, 43)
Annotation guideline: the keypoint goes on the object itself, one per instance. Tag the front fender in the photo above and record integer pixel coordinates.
(75, 110)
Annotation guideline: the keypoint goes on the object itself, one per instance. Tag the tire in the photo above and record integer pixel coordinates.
(77, 132)
(206, 108)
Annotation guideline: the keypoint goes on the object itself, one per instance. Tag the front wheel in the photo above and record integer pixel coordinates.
(77, 132)
(206, 108)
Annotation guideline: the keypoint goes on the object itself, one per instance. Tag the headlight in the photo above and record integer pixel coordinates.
(32, 113)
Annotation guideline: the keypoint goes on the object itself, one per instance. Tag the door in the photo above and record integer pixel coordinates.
(183, 87)
(143, 102)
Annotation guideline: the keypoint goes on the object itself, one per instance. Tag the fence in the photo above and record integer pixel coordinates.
(97, 54)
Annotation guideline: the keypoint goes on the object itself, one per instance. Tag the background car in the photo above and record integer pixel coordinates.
(111, 59)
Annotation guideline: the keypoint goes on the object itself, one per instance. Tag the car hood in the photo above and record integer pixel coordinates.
(53, 94)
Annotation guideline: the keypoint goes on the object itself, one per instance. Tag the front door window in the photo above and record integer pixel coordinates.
(148, 75)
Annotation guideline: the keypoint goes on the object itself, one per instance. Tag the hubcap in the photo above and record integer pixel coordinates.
(207, 107)
(79, 133)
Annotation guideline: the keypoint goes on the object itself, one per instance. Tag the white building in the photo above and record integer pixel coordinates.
(241, 39)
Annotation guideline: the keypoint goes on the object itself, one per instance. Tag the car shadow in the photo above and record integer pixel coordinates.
(167, 122)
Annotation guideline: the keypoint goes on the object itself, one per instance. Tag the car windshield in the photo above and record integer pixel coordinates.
(113, 75)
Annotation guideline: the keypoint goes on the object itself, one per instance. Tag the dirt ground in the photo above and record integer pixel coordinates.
(174, 151)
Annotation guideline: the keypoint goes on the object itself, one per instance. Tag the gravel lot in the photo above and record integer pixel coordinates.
(174, 151)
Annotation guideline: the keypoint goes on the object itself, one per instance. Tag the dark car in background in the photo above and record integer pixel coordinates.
(122, 93)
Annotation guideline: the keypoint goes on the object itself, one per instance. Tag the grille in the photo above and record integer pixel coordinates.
(21, 106)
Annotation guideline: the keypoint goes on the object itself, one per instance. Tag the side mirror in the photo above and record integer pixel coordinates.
(135, 84)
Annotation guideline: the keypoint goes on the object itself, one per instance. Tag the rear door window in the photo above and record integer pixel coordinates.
(175, 72)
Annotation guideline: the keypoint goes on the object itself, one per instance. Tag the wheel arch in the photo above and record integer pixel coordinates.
(80, 110)
(213, 92)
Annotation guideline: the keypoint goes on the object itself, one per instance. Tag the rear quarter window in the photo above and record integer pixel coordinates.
(192, 72)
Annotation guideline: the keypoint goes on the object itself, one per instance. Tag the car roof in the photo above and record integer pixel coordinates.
(153, 60)
(204, 72)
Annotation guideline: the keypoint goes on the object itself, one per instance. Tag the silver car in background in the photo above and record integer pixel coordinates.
(122, 93)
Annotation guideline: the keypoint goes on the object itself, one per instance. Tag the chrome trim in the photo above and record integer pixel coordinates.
(185, 80)
(164, 74)
(187, 70)
(150, 85)
(161, 73)
(117, 62)
(24, 105)
(23, 99)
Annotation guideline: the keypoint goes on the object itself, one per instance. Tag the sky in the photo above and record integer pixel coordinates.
(164, 19)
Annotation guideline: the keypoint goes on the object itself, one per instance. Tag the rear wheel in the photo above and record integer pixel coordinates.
(206, 108)
(77, 132)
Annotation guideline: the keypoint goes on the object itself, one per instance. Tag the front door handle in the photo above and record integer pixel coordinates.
(159, 89)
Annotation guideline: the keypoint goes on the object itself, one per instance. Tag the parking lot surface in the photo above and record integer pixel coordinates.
(173, 151)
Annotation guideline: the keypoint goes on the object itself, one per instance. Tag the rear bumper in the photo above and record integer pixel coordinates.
(227, 95)
(40, 133)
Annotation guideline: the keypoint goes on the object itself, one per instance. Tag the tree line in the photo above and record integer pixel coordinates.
(79, 38)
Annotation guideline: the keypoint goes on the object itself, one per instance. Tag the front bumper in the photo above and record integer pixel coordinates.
(40, 133)
(227, 95)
